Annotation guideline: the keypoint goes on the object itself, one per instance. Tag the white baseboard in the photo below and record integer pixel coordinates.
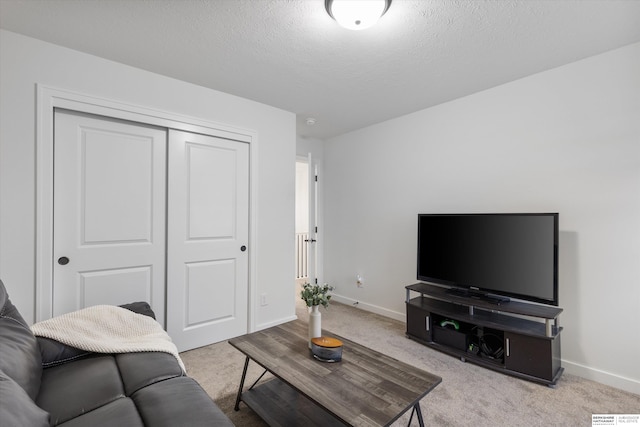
(613, 380)
(275, 323)
(370, 307)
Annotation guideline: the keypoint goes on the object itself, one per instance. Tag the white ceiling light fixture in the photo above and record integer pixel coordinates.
(356, 14)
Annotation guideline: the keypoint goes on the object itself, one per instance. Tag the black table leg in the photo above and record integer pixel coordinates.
(419, 412)
(244, 374)
(416, 410)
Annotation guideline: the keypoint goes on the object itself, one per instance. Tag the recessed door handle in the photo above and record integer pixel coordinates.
(243, 248)
(63, 260)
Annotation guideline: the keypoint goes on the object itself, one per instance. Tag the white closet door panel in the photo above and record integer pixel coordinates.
(210, 193)
(117, 198)
(109, 213)
(112, 286)
(208, 213)
(203, 278)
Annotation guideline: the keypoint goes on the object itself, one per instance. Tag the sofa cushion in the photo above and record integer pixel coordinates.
(71, 389)
(139, 370)
(19, 352)
(171, 403)
(16, 408)
(114, 389)
(121, 412)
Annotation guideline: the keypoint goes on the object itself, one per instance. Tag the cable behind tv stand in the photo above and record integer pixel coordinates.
(513, 337)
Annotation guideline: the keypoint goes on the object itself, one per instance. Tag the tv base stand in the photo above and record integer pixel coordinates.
(515, 338)
(494, 299)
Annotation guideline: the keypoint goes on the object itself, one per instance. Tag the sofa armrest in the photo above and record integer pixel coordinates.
(54, 353)
(140, 307)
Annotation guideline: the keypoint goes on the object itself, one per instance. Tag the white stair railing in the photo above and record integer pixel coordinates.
(301, 255)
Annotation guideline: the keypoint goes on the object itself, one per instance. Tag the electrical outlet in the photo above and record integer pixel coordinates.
(263, 300)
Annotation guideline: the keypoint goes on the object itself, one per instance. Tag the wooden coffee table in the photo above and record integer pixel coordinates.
(365, 388)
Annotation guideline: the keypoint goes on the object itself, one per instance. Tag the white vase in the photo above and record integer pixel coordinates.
(315, 323)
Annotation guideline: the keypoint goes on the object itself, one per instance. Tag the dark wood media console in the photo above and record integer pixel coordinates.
(502, 337)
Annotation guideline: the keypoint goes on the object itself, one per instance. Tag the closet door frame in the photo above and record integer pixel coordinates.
(48, 99)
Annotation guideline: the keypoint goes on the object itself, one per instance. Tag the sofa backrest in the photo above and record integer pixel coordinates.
(20, 357)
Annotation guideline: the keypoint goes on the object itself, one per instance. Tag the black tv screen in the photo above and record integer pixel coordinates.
(514, 255)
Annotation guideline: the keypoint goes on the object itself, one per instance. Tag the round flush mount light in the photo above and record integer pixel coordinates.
(356, 14)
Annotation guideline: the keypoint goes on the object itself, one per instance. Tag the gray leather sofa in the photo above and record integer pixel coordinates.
(45, 383)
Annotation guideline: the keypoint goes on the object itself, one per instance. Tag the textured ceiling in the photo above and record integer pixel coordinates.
(292, 55)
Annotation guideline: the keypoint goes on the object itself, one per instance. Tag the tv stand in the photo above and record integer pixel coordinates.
(470, 293)
(512, 337)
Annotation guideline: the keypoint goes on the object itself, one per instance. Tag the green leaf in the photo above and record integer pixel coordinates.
(316, 294)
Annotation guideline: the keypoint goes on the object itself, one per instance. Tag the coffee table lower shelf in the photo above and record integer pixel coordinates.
(280, 405)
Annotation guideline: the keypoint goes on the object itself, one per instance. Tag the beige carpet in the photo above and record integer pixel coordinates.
(469, 395)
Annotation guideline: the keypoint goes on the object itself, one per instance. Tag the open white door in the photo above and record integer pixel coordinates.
(207, 253)
(313, 228)
(109, 213)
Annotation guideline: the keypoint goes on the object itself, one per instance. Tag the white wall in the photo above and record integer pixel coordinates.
(566, 140)
(25, 62)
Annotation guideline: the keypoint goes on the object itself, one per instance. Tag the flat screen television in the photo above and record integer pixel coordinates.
(491, 255)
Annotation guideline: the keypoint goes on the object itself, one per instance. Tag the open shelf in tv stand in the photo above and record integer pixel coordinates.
(531, 347)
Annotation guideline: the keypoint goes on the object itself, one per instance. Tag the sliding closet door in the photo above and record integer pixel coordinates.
(109, 213)
(207, 253)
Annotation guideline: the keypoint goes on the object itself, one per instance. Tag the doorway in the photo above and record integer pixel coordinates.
(302, 222)
(306, 226)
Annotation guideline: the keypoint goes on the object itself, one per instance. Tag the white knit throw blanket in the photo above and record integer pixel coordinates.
(108, 329)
